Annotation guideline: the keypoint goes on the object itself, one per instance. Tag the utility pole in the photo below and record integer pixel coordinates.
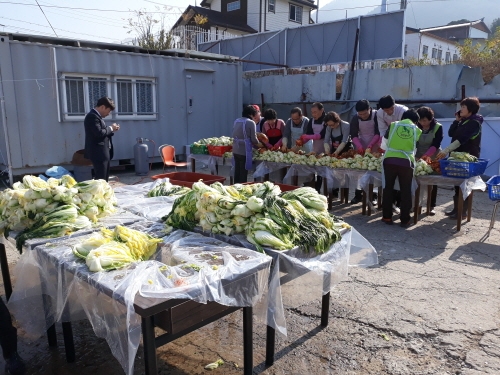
(404, 3)
(317, 11)
(384, 6)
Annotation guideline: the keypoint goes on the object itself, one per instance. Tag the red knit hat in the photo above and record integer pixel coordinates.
(256, 107)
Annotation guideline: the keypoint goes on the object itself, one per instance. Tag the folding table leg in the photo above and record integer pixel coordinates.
(370, 198)
(247, 341)
(52, 336)
(429, 197)
(363, 203)
(325, 309)
(4, 264)
(69, 344)
(193, 165)
(416, 205)
(460, 207)
(148, 341)
(270, 345)
(469, 206)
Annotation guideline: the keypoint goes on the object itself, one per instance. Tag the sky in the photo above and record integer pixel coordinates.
(106, 21)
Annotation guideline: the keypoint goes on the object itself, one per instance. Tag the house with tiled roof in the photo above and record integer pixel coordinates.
(228, 18)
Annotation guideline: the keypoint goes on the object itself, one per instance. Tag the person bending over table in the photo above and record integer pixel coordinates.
(258, 119)
(429, 143)
(295, 126)
(315, 131)
(336, 137)
(388, 113)
(399, 143)
(364, 134)
(273, 128)
(244, 139)
(465, 133)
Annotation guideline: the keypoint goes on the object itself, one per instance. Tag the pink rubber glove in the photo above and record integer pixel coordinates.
(357, 143)
(279, 143)
(268, 145)
(315, 137)
(374, 141)
(305, 137)
(431, 151)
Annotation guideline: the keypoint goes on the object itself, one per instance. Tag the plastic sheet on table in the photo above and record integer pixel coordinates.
(466, 184)
(305, 273)
(211, 161)
(52, 285)
(119, 217)
(266, 167)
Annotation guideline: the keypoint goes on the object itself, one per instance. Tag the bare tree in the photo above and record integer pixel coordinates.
(150, 30)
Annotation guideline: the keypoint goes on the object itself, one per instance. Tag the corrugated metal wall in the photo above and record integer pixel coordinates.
(31, 99)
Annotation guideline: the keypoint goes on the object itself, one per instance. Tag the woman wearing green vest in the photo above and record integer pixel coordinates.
(399, 143)
(429, 143)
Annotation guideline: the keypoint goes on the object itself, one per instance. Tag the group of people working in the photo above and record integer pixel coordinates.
(401, 134)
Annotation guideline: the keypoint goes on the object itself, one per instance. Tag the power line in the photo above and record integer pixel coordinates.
(68, 31)
(46, 18)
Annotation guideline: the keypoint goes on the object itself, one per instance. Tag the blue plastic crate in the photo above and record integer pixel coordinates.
(462, 169)
(494, 188)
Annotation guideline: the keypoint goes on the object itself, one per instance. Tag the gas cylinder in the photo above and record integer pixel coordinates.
(141, 157)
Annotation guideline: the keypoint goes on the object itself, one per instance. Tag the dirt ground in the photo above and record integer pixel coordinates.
(431, 306)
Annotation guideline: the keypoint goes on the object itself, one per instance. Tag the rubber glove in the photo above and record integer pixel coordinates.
(431, 151)
(374, 141)
(357, 143)
(448, 149)
(327, 148)
(308, 137)
(339, 148)
(279, 143)
(268, 145)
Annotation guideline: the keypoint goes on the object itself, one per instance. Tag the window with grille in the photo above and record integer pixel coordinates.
(448, 57)
(134, 96)
(440, 54)
(235, 5)
(455, 57)
(425, 51)
(295, 13)
(434, 53)
(271, 6)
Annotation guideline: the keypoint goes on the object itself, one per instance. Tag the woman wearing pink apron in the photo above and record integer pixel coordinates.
(364, 134)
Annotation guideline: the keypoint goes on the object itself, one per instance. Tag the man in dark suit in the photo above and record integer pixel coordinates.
(98, 143)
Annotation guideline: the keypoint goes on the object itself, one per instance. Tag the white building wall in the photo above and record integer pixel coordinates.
(438, 44)
(280, 19)
(253, 12)
(477, 34)
(412, 45)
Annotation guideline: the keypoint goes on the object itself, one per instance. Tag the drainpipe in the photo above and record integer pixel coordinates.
(5, 130)
(317, 11)
(265, 16)
(260, 17)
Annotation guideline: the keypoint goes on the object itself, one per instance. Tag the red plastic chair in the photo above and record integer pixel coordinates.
(167, 153)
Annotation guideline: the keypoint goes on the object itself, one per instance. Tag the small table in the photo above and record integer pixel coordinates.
(467, 186)
(177, 316)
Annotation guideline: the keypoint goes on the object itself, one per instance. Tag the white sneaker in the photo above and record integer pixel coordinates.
(395, 209)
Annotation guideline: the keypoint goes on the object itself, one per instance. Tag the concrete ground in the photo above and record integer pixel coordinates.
(431, 306)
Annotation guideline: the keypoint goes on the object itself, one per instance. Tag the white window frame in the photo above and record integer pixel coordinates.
(290, 13)
(271, 6)
(111, 91)
(87, 106)
(236, 4)
(135, 115)
(425, 51)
